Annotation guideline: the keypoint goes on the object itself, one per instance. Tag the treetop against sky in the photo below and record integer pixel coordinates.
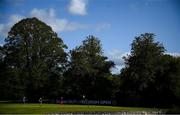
(114, 22)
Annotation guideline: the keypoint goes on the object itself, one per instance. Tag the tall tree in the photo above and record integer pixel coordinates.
(141, 66)
(89, 70)
(36, 53)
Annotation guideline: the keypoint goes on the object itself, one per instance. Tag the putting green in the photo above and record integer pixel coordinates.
(57, 108)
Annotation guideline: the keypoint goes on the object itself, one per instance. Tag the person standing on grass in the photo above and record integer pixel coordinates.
(61, 100)
(40, 100)
(84, 99)
(24, 99)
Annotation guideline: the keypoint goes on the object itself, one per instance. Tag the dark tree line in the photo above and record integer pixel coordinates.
(33, 63)
(150, 77)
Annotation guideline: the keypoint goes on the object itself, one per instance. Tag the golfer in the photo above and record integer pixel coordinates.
(40, 100)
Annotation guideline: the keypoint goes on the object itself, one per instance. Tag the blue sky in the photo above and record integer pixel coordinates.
(114, 22)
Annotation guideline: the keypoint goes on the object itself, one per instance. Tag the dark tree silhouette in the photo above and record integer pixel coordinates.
(89, 70)
(36, 55)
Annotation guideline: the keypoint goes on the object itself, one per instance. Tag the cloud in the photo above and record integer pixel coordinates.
(49, 17)
(15, 18)
(78, 7)
(102, 26)
(4, 28)
(138, 4)
(117, 57)
(175, 54)
(116, 69)
(60, 24)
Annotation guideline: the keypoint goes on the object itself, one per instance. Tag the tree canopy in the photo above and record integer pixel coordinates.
(33, 52)
(89, 70)
(145, 79)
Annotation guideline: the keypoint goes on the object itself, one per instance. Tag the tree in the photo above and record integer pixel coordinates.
(89, 71)
(36, 53)
(141, 66)
(167, 82)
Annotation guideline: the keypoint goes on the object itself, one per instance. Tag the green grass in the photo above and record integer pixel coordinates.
(57, 108)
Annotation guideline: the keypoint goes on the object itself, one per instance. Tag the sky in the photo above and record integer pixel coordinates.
(114, 22)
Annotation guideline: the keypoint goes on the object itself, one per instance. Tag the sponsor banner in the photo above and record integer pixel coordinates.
(90, 102)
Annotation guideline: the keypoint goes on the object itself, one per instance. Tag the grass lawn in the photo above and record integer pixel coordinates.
(57, 108)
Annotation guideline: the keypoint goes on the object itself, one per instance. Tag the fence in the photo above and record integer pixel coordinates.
(88, 102)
